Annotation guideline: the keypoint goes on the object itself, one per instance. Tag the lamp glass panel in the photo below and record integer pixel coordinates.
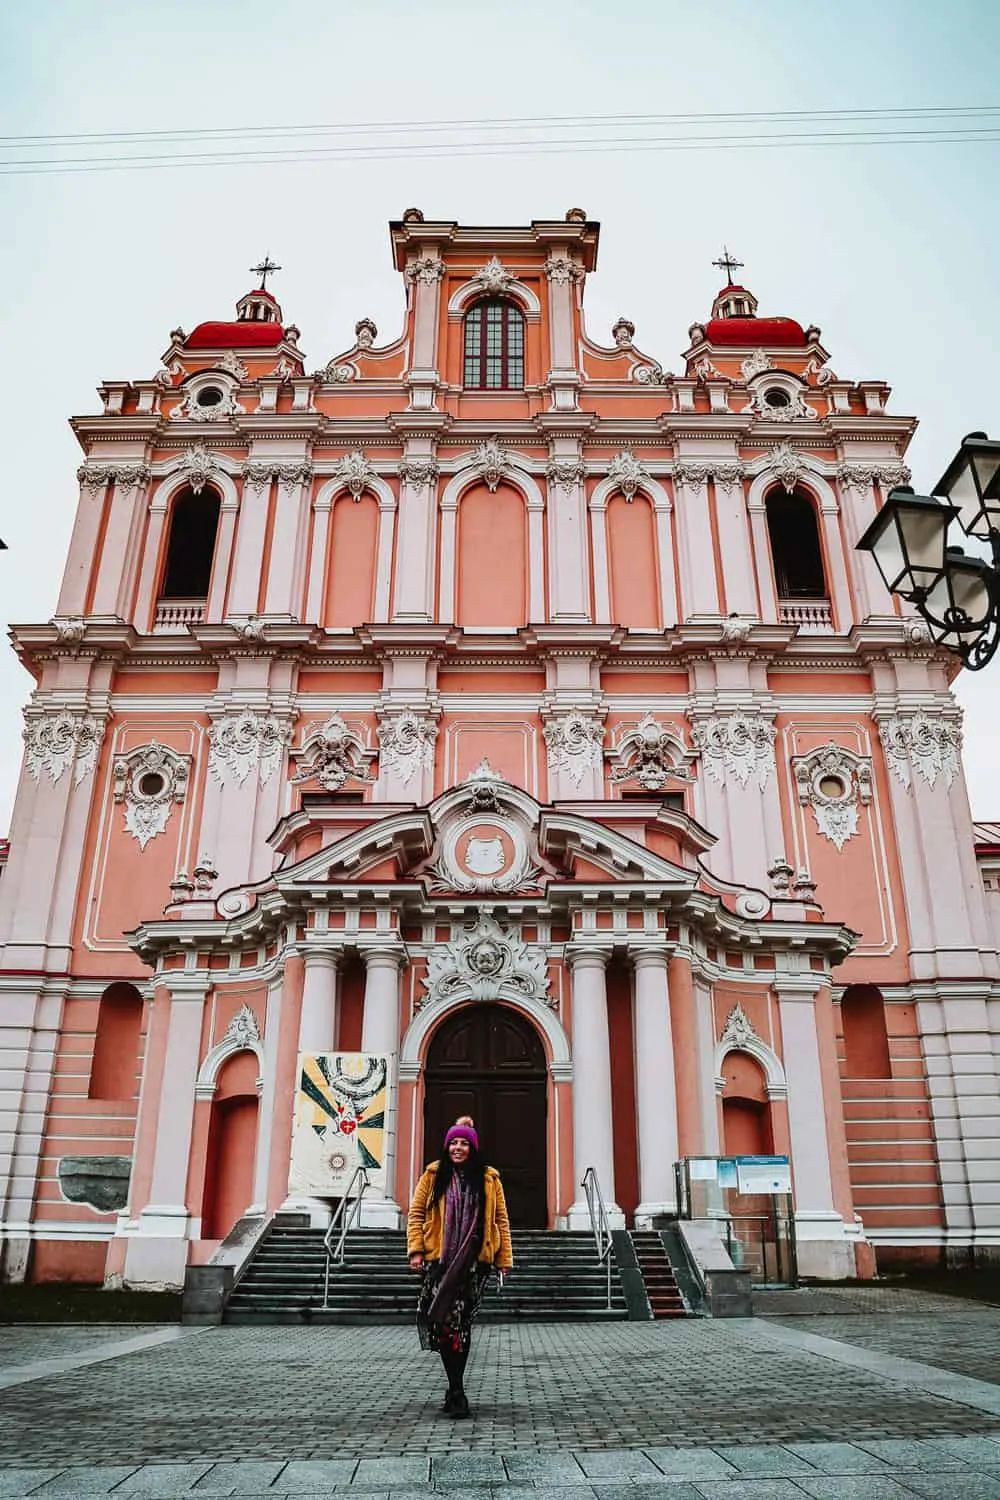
(963, 493)
(961, 593)
(923, 531)
(987, 467)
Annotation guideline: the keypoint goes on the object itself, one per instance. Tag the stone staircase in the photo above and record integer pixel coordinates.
(557, 1279)
(664, 1294)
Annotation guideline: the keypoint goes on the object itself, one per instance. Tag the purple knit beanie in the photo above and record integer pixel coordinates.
(462, 1133)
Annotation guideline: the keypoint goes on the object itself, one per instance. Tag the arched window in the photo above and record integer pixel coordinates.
(114, 1071)
(866, 1041)
(494, 347)
(194, 522)
(795, 546)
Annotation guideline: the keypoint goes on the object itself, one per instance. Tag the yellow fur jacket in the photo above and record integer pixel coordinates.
(425, 1222)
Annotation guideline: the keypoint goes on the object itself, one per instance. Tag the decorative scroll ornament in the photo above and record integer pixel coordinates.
(190, 410)
(651, 374)
(355, 472)
(419, 472)
(560, 270)
(652, 754)
(339, 374)
(243, 1029)
(245, 742)
(737, 745)
(492, 461)
(257, 476)
(738, 1030)
(796, 408)
(290, 475)
(787, 465)
(332, 754)
(755, 364)
(149, 780)
(574, 743)
(199, 466)
(494, 277)
(427, 269)
(285, 370)
(205, 875)
(95, 476)
(933, 746)
(705, 370)
(233, 365)
(406, 744)
(627, 473)
(484, 962)
(623, 332)
(822, 374)
(736, 628)
(56, 738)
(834, 782)
(166, 376)
(565, 472)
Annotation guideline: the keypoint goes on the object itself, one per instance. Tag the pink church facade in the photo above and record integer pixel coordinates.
(492, 672)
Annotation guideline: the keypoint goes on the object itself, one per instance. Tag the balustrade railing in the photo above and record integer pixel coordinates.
(810, 616)
(173, 616)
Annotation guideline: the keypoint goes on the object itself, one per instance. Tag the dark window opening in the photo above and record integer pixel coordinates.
(494, 347)
(209, 395)
(191, 546)
(795, 546)
(777, 397)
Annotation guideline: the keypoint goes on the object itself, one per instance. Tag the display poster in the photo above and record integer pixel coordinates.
(727, 1172)
(703, 1168)
(763, 1174)
(339, 1122)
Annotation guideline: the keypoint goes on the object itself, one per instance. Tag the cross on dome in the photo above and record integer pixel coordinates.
(264, 270)
(729, 264)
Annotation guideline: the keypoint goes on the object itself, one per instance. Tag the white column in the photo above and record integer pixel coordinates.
(569, 565)
(822, 1247)
(316, 587)
(380, 1035)
(265, 1118)
(593, 1131)
(415, 556)
(318, 1025)
(699, 591)
(655, 1087)
(251, 533)
(735, 554)
(283, 592)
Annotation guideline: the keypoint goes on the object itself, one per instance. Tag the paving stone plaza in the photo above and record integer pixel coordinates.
(843, 1393)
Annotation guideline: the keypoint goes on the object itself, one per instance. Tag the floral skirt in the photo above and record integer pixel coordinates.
(455, 1333)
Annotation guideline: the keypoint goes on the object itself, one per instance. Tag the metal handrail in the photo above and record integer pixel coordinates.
(599, 1223)
(347, 1212)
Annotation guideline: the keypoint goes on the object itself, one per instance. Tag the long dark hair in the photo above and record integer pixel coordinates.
(473, 1169)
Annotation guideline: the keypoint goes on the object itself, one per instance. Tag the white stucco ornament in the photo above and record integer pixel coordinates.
(627, 473)
(738, 1029)
(199, 466)
(574, 744)
(495, 277)
(736, 745)
(483, 963)
(332, 754)
(787, 465)
(651, 754)
(245, 742)
(932, 746)
(57, 738)
(492, 461)
(406, 744)
(355, 472)
(755, 364)
(149, 780)
(836, 783)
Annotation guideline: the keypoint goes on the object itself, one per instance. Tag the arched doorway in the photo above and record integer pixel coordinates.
(487, 1061)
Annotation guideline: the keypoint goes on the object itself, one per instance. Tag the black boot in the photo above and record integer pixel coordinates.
(456, 1403)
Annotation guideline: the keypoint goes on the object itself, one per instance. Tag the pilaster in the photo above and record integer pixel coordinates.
(593, 1143)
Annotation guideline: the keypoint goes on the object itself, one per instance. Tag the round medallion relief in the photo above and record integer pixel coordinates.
(485, 850)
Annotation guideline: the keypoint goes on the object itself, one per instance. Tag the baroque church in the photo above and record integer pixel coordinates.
(492, 721)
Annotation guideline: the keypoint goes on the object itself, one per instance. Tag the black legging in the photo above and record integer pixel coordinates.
(455, 1361)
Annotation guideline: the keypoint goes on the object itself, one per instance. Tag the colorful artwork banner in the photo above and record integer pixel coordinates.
(339, 1123)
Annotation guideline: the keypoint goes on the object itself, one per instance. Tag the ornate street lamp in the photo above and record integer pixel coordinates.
(957, 595)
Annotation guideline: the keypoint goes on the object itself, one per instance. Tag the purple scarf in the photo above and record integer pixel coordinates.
(458, 1250)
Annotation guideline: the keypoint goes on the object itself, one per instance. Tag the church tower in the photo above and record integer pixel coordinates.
(510, 723)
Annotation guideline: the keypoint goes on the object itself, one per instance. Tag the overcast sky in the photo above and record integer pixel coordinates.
(891, 249)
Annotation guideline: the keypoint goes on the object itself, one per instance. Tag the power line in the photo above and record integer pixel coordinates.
(404, 151)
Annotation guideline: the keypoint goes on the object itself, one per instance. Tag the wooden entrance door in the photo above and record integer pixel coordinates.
(487, 1061)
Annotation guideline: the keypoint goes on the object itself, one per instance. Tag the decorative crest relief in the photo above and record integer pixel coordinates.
(574, 743)
(627, 473)
(737, 745)
(755, 364)
(407, 744)
(493, 461)
(199, 466)
(245, 742)
(787, 465)
(149, 780)
(56, 738)
(243, 1029)
(652, 754)
(333, 754)
(835, 782)
(355, 472)
(738, 1029)
(495, 277)
(483, 962)
(233, 365)
(795, 408)
(932, 746)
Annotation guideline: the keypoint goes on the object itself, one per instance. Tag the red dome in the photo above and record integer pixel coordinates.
(774, 333)
(247, 335)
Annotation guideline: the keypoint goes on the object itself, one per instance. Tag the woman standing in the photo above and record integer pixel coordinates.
(457, 1230)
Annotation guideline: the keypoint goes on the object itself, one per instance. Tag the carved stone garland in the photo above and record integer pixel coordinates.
(56, 738)
(333, 754)
(407, 745)
(737, 745)
(652, 754)
(245, 742)
(484, 961)
(835, 783)
(574, 743)
(932, 746)
(149, 780)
